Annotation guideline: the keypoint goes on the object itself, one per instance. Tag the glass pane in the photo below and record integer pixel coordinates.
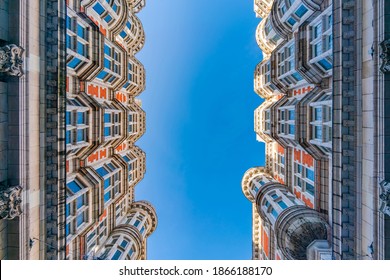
(124, 244)
(310, 189)
(98, 8)
(73, 186)
(301, 11)
(80, 201)
(107, 131)
(102, 171)
(81, 31)
(68, 137)
(318, 113)
(123, 34)
(282, 204)
(74, 63)
(107, 197)
(291, 21)
(116, 255)
(310, 174)
(80, 219)
(81, 118)
(80, 135)
(107, 183)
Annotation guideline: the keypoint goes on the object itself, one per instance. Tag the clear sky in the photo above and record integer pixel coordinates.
(199, 101)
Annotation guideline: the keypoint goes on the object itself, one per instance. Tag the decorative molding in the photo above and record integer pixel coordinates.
(10, 202)
(11, 60)
(385, 56)
(385, 197)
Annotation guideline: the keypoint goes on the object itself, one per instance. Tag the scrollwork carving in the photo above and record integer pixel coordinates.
(385, 56)
(385, 197)
(10, 202)
(11, 60)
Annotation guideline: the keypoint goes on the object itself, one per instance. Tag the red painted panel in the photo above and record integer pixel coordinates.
(103, 215)
(280, 149)
(93, 90)
(265, 243)
(82, 247)
(297, 155)
(297, 193)
(82, 86)
(307, 159)
(307, 202)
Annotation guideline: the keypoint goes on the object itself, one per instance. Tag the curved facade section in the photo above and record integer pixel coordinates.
(286, 16)
(312, 124)
(134, 158)
(103, 122)
(252, 181)
(81, 128)
(262, 7)
(136, 122)
(262, 123)
(136, 5)
(145, 214)
(84, 46)
(135, 83)
(272, 199)
(263, 85)
(266, 45)
(109, 15)
(296, 228)
(132, 36)
(124, 243)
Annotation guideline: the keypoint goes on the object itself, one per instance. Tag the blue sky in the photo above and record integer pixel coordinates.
(199, 101)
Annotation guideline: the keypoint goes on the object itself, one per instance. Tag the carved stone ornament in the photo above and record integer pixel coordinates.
(10, 202)
(11, 60)
(385, 56)
(385, 197)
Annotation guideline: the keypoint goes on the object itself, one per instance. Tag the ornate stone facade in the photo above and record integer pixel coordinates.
(70, 119)
(323, 144)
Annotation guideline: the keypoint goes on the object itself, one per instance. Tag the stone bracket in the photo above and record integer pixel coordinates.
(10, 202)
(385, 197)
(11, 60)
(385, 56)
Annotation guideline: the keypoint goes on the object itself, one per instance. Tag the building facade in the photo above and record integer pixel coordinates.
(323, 191)
(73, 192)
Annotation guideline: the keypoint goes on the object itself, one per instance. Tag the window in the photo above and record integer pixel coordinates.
(301, 11)
(304, 177)
(111, 181)
(112, 123)
(76, 42)
(77, 127)
(112, 64)
(310, 174)
(322, 41)
(286, 65)
(287, 121)
(76, 209)
(321, 121)
(291, 21)
(282, 204)
(117, 255)
(99, 8)
(325, 64)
